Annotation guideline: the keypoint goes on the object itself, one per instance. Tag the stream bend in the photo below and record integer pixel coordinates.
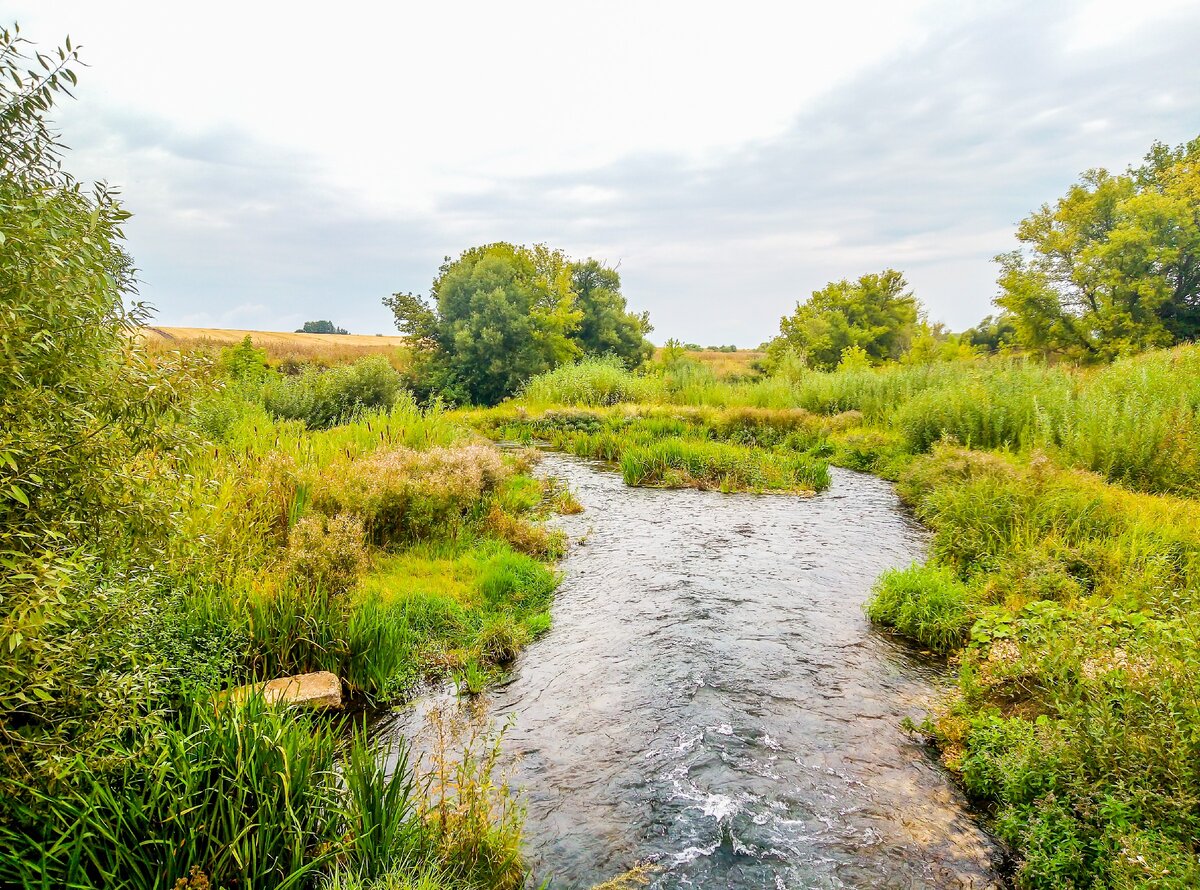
(712, 698)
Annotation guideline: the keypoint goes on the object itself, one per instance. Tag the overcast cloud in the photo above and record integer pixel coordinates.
(283, 167)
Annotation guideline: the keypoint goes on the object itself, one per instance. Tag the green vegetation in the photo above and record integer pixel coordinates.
(926, 603)
(874, 315)
(1063, 575)
(1114, 266)
(501, 314)
(324, 326)
(175, 525)
(322, 398)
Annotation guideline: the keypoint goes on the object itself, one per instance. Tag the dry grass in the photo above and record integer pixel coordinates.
(283, 347)
(724, 364)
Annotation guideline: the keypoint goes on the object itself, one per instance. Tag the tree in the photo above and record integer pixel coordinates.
(83, 406)
(992, 334)
(932, 342)
(875, 314)
(501, 313)
(1114, 266)
(321, 327)
(607, 327)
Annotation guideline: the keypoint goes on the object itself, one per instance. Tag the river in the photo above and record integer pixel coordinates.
(712, 699)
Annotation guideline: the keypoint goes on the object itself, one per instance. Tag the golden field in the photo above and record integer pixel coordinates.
(281, 346)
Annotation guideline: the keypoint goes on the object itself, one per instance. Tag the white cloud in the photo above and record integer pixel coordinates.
(290, 160)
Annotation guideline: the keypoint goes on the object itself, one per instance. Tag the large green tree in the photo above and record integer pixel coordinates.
(502, 313)
(606, 326)
(1113, 266)
(82, 407)
(876, 314)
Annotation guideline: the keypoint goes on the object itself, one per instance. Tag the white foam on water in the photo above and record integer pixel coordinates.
(689, 854)
(719, 806)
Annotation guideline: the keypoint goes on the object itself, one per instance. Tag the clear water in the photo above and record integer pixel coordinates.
(712, 699)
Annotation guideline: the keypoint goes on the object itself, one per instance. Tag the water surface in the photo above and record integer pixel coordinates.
(712, 699)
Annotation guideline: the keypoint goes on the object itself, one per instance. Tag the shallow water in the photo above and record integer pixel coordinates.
(711, 698)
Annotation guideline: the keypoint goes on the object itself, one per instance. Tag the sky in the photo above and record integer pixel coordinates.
(288, 161)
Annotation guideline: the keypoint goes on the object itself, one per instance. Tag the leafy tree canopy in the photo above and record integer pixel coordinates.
(875, 314)
(502, 313)
(607, 327)
(324, 326)
(992, 334)
(82, 404)
(1113, 267)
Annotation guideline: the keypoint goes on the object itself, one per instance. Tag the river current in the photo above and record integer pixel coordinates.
(712, 700)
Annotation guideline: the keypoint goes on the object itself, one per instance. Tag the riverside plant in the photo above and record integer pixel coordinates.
(242, 794)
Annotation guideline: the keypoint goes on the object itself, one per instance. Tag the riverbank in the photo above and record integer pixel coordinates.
(322, 522)
(746, 732)
(1062, 583)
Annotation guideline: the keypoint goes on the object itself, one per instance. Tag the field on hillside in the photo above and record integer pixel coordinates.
(283, 347)
(724, 364)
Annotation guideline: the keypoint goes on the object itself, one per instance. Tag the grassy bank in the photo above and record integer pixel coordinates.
(1063, 578)
(314, 522)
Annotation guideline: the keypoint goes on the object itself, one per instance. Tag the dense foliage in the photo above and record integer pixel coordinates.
(501, 313)
(1113, 267)
(323, 326)
(875, 314)
(83, 407)
(173, 526)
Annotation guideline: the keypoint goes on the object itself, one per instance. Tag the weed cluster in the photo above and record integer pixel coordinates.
(326, 397)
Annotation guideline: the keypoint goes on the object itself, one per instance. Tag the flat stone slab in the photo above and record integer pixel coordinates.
(320, 689)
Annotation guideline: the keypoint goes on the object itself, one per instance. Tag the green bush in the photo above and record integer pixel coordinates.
(326, 398)
(927, 603)
(327, 552)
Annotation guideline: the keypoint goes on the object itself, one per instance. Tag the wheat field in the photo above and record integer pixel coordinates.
(282, 346)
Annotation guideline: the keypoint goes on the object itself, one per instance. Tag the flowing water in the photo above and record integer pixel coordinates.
(711, 698)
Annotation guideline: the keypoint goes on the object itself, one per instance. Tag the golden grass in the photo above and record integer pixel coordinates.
(281, 346)
(724, 364)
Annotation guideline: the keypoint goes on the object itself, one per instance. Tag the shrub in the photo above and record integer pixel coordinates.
(326, 398)
(403, 495)
(328, 552)
(926, 603)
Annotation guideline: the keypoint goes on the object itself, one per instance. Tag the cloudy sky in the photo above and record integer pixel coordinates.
(288, 161)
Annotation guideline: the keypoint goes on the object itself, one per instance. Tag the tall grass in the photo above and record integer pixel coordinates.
(245, 795)
(1137, 422)
(925, 603)
(589, 382)
(677, 462)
